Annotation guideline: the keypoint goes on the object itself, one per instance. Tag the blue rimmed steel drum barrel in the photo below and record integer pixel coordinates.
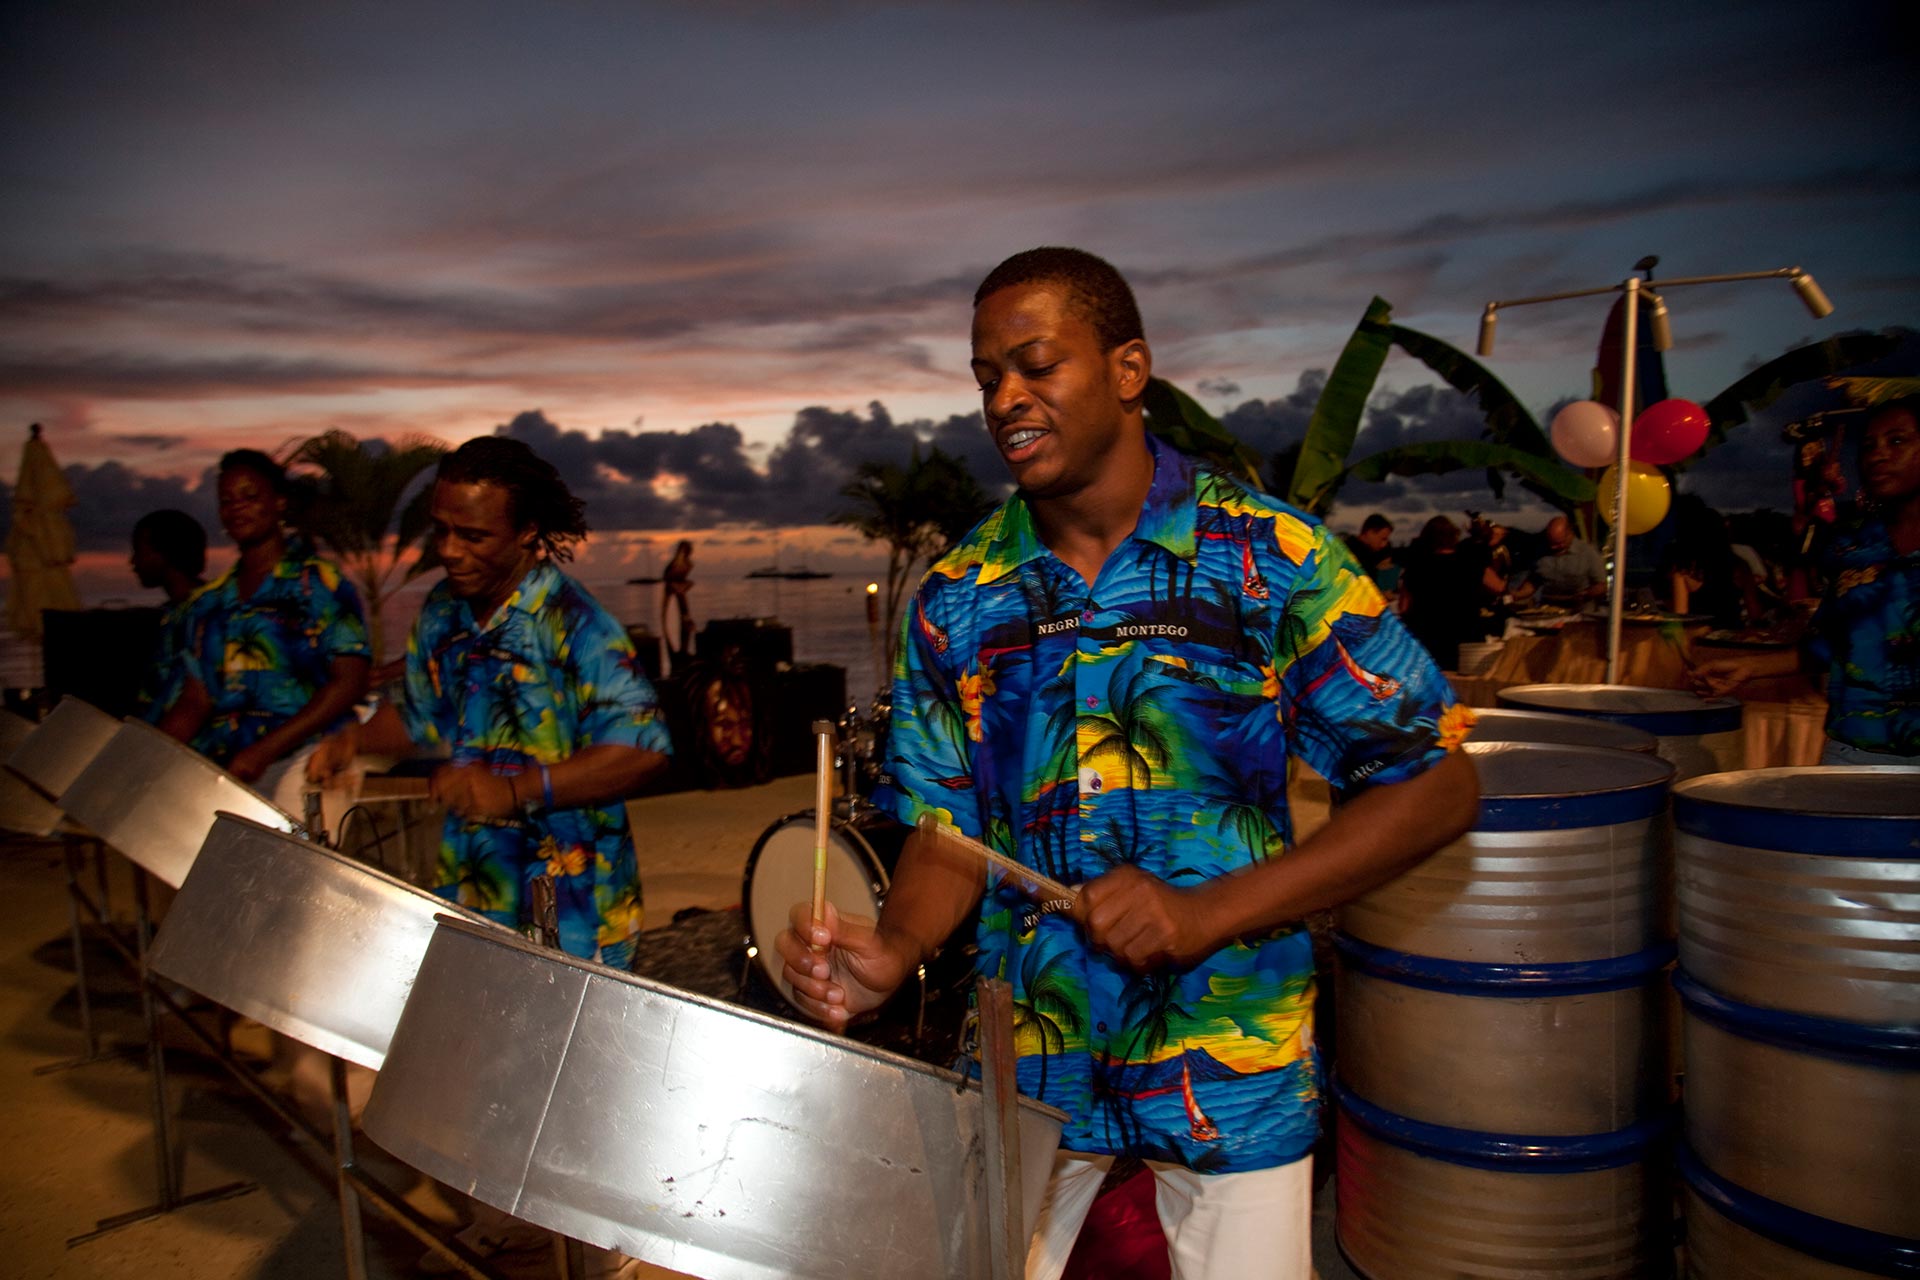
(1503, 1050)
(1699, 735)
(1799, 897)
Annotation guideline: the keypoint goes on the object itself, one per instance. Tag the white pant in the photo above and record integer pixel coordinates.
(1220, 1226)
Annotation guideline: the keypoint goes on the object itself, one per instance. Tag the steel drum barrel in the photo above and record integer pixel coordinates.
(1502, 1059)
(62, 745)
(1799, 896)
(1505, 725)
(154, 800)
(22, 808)
(683, 1131)
(298, 937)
(1699, 735)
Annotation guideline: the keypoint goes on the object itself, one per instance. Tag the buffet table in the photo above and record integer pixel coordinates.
(1782, 718)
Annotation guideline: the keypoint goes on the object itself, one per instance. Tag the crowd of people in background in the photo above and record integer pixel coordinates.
(1842, 596)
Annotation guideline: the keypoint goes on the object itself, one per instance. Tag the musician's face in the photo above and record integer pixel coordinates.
(484, 552)
(1890, 456)
(250, 507)
(1055, 402)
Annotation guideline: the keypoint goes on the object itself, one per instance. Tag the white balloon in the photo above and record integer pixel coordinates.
(1587, 433)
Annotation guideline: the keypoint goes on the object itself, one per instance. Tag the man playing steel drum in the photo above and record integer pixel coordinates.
(1106, 680)
(535, 690)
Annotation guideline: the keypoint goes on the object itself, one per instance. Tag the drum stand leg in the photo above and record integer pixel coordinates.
(76, 898)
(163, 1163)
(353, 1236)
(1000, 1123)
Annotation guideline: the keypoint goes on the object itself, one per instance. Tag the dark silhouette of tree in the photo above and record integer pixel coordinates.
(918, 510)
(365, 500)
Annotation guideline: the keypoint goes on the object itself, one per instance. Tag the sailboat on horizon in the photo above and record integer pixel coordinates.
(802, 574)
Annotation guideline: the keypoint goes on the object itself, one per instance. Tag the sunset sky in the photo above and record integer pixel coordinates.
(232, 224)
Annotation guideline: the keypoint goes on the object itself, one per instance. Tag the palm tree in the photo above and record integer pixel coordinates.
(358, 489)
(1130, 735)
(918, 510)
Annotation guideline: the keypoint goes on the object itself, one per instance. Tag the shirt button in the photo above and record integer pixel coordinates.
(1087, 616)
(1092, 701)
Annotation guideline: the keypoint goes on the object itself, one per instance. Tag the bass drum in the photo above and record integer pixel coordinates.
(860, 858)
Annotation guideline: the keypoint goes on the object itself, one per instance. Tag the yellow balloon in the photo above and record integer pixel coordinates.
(1648, 495)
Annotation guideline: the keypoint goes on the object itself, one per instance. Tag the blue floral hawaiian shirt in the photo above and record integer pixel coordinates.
(1148, 719)
(550, 674)
(263, 658)
(1868, 632)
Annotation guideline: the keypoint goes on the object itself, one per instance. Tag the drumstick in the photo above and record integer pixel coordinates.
(1049, 893)
(822, 814)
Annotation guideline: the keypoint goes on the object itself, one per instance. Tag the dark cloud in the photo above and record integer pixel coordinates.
(1268, 426)
(704, 477)
(127, 375)
(155, 442)
(110, 497)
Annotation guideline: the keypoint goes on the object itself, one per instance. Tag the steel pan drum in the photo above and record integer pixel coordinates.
(154, 800)
(299, 937)
(22, 808)
(62, 745)
(684, 1131)
(1504, 725)
(1698, 735)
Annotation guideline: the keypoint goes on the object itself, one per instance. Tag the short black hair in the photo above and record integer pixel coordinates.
(1092, 284)
(536, 494)
(1902, 404)
(1376, 521)
(176, 538)
(257, 462)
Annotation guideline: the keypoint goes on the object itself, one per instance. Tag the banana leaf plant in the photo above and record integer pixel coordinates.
(1312, 471)
(1177, 418)
(1755, 391)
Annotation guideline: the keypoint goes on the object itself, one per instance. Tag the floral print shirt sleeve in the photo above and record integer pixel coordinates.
(1147, 719)
(549, 675)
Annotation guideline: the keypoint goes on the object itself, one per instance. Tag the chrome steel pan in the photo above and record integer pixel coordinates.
(154, 800)
(683, 1131)
(22, 808)
(298, 937)
(62, 745)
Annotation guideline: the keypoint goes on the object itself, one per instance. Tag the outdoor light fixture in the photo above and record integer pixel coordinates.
(1662, 330)
(1811, 295)
(1633, 286)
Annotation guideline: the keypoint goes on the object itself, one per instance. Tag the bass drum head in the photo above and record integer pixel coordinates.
(780, 873)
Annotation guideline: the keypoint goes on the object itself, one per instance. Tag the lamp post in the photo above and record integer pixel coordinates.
(1803, 284)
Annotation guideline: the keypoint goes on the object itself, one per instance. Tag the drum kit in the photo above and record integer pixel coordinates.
(685, 1131)
(862, 848)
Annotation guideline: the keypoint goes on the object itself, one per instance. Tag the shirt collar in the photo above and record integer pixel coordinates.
(529, 594)
(292, 560)
(1166, 518)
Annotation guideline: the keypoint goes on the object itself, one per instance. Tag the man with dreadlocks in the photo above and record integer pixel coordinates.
(534, 689)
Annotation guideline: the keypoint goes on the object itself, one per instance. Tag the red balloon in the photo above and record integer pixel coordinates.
(1668, 431)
